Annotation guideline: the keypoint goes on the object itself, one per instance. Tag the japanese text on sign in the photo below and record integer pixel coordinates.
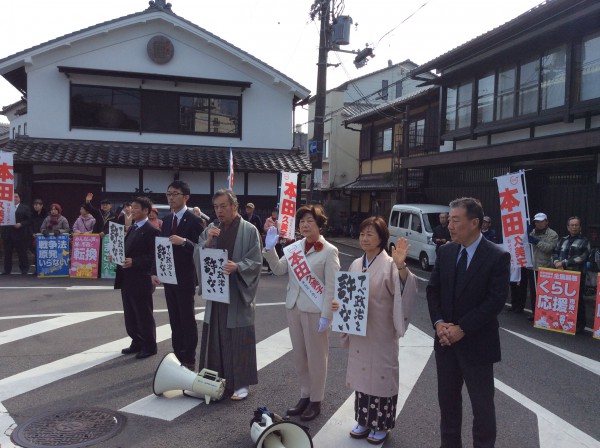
(52, 255)
(287, 205)
(556, 300)
(165, 263)
(85, 255)
(310, 283)
(352, 294)
(116, 247)
(215, 283)
(7, 179)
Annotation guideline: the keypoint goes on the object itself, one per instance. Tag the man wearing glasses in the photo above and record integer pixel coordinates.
(182, 228)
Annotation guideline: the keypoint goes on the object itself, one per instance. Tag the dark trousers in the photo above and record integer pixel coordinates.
(532, 283)
(20, 245)
(182, 317)
(452, 372)
(518, 291)
(138, 309)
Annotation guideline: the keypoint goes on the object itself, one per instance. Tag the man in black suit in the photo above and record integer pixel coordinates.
(17, 237)
(134, 281)
(466, 292)
(183, 229)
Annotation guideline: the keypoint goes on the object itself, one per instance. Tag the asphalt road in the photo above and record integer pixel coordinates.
(60, 342)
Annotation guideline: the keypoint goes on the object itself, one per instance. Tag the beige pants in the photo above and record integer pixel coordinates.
(310, 351)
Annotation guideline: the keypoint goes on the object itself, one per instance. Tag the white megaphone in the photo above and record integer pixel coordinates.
(281, 434)
(171, 375)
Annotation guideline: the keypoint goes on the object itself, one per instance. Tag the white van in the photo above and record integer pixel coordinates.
(416, 222)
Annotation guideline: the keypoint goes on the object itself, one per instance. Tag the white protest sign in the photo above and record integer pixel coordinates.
(116, 242)
(165, 263)
(352, 293)
(215, 283)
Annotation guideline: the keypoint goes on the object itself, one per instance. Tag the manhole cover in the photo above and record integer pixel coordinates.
(72, 428)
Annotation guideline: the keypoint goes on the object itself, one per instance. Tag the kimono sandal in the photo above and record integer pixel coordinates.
(240, 394)
(359, 432)
(377, 437)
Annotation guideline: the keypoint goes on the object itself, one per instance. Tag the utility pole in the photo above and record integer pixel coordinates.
(316, 144)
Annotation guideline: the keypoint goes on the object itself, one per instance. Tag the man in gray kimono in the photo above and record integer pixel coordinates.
(228, 341)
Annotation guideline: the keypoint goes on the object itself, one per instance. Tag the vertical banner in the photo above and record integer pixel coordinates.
(116, 247)
(215, 283)
(165, 263)
(596, 333)
(287, 205)
(556, 300)
(108, 268)
(513, 213)
(85, 255)
(52, 255)
(230, 172)
(352, 293)
(7, 185)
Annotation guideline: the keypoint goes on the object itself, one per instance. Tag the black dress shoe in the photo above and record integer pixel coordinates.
(145, 354)
(130, 350)
(312, 410)
(6, 273)
(299, 408)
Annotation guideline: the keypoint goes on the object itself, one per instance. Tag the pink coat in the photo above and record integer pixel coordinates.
(373, 366)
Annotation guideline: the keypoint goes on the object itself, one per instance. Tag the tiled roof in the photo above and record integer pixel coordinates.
(158, 156)
(370, 183)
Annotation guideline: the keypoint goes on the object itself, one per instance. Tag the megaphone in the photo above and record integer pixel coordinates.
(171, 375)
(281, 434)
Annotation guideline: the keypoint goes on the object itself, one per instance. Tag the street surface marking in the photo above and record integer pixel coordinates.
(554, 432)
(33, 329)
(581, 361)
(415, 351)
(171, 405)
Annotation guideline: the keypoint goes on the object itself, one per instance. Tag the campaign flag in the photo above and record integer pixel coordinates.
(596, 333)
(7, 188)
(52, 255)
(514, 218)
(286, 222)
(165, 263)
(352, 294)
(215, 283)
(556, 300)
(108, 268)
(230, 170)
(85, 255)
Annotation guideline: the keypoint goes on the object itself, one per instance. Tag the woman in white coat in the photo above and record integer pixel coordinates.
(373, 367)
(311, 263)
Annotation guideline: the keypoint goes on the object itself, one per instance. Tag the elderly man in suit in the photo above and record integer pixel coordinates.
(466, 292)
(133, 278)
(182, 228)
(17, 236)
(228, 340)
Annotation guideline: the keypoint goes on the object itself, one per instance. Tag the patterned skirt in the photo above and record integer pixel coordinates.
(377, 413)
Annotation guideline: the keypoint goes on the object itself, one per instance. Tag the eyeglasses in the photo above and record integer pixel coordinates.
(173, 195)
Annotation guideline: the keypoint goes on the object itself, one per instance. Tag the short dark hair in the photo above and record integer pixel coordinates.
(572, 218)
(315, 210)
(126, 204)
(226, 192)
(105, 201)
(472, 206)
(38, 201)
(180, 185)
(144, 202)
(378, 223)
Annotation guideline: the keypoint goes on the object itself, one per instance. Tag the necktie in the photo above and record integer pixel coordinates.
(461, 266)
(174, 227)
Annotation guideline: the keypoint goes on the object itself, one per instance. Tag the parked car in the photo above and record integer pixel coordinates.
(416, 222)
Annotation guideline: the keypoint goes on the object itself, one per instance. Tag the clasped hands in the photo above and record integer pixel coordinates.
(448, 333)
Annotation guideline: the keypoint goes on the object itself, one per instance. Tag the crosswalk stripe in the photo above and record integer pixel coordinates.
(415, 351)
(581, 361)
(171, 405)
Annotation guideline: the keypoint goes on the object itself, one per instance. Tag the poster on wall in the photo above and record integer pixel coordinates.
(85, 255)
(52, 255)
(556, 300)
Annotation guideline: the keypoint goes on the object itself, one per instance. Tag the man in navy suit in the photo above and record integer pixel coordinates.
(17, 236)
(183, 229)
(466, 292)
(133, 278)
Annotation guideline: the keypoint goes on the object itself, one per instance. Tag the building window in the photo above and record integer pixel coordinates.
(554, 71)
(398, 89)
(24, 128)
(505, 101)
(383, 140)
(463, 105)
(529, 80)
(416, 133)
(154, 111)
(589, 69)
(485, 99)
(384, 89)
(450, 109)
(325, 149)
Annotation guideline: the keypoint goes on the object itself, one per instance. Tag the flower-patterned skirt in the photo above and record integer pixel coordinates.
(378, 413)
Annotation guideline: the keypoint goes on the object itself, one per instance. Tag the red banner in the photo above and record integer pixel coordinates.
(556, 300)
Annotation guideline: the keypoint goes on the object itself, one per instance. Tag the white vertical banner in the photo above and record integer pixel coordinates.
(7, 189)
(116, 242)
(514, 218)
(287, 205)
(165, 262)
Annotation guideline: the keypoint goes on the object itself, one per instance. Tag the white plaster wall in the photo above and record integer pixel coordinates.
(262, 184)
(560, 128)
(504, 137)
(118, 179)
(465, 144)
(238, 182)
(447, 146)
(199, 182)
(268, 100)
(157, 181)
